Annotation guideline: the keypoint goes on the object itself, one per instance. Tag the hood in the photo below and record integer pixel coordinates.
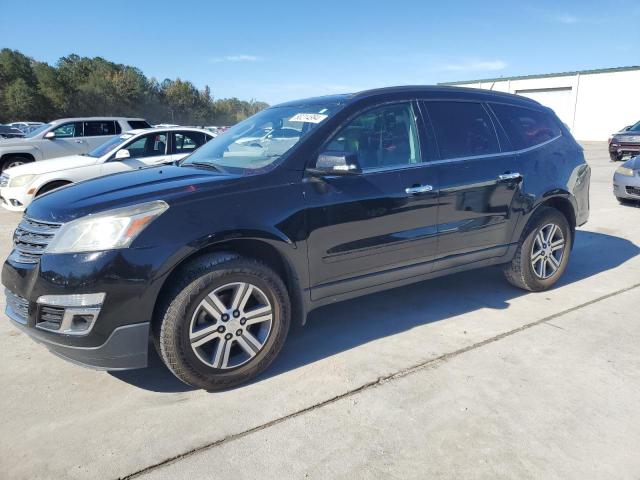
(633, 163)
(172, 184)
(52, 165)
(627, 134)
(14, 142)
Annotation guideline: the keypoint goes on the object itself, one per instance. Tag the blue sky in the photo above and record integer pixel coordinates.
(276, 51)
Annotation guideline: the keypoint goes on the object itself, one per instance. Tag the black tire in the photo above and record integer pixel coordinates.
(14, 161)
(172, 324)
(51, 186)
(615, 157)
(520, 272)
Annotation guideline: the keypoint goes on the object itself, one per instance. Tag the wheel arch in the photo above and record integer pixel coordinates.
(6, 156)
(60, 182)
(562, 201)
(258, 248)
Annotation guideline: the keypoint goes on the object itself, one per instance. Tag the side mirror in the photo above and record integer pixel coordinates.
(122, 154)
(49, 135)
(337, 163)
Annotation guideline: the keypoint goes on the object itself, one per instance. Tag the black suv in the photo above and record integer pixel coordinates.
(303, 204)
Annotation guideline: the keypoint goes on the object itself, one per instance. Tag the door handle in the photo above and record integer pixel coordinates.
(418, 189)
(79, 141)
(509, 176)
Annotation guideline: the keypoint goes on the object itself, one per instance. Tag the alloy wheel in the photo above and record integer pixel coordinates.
(231, 325)
(547, 251)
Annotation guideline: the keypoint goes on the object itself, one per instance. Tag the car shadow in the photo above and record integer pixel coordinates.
(343, 326)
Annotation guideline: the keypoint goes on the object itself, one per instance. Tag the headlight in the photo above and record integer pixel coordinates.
(625, 171)
(105, 231)
(20, 181)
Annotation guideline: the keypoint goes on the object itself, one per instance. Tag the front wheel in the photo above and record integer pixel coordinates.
(615, 157)
(224, 322)
(543, 252)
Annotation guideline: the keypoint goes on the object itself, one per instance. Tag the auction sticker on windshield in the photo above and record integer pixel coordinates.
(308, 117)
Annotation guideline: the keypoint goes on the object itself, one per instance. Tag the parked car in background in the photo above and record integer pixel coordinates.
(213, 256)
(128, 151)
(26, 127)
(67, 136)
(626, 181)
(7, 131)
(625, 142)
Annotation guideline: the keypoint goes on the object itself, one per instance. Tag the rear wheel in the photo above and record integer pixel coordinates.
(14, 161)
(223, 323)
(543, 252)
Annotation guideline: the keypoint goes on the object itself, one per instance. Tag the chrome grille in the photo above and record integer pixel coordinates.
(31, 238)
(4, 180)
(631, 139)
(17, 307)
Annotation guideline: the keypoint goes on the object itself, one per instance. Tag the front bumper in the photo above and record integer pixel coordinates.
(621, 148)
(15, 199)
(626, 187)
(119, 338)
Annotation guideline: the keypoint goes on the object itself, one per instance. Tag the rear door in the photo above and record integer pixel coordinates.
(478, 181)
(367, 229)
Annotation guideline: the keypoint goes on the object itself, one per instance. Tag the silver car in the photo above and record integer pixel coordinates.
(626, 180)
(64, 137)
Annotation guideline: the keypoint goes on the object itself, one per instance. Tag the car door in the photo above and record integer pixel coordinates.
(96, 132)
(368, 229)
(185, 142)
(145, 151)
(68, 140)
(478, 182)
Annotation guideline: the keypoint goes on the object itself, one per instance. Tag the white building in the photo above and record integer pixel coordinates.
(592, 103)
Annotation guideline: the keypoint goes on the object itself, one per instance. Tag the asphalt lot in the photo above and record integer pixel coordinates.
(458, 377)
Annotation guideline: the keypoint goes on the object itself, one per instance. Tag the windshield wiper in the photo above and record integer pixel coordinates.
(208, 165)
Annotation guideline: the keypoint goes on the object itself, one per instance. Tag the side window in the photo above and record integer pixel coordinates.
(463, 129)
(148, 146)
(118, 128)
(135, 124)
(187, 142)
(68, 130)
(526, 127)
(382, 137)
(99, 128)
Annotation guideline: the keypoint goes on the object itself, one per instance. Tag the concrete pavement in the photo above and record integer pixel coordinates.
(411, 358)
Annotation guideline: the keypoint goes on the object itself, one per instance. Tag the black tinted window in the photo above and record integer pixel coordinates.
(526, 127)
(381, 137)
(151, 145)
(135, 124)
(187, 142)
(99, 128)
(463, 129)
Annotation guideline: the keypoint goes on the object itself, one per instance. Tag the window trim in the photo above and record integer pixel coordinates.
(135, 139)
(418, 122)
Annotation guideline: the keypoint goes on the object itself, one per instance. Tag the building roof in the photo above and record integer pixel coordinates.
(546, 75)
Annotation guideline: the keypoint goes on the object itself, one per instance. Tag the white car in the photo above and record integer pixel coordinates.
(132, 150)
(67, 136)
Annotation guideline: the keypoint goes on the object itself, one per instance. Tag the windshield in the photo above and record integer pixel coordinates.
(635, 128)
(109, 145)
(37, 131)
(258, 142)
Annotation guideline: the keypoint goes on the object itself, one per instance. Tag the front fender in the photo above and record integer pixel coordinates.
(35, 152)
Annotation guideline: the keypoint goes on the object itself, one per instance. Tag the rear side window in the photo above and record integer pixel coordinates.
(463, 129)
(136, 124)
(187, 142)
(99, 128)
(526, 127)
